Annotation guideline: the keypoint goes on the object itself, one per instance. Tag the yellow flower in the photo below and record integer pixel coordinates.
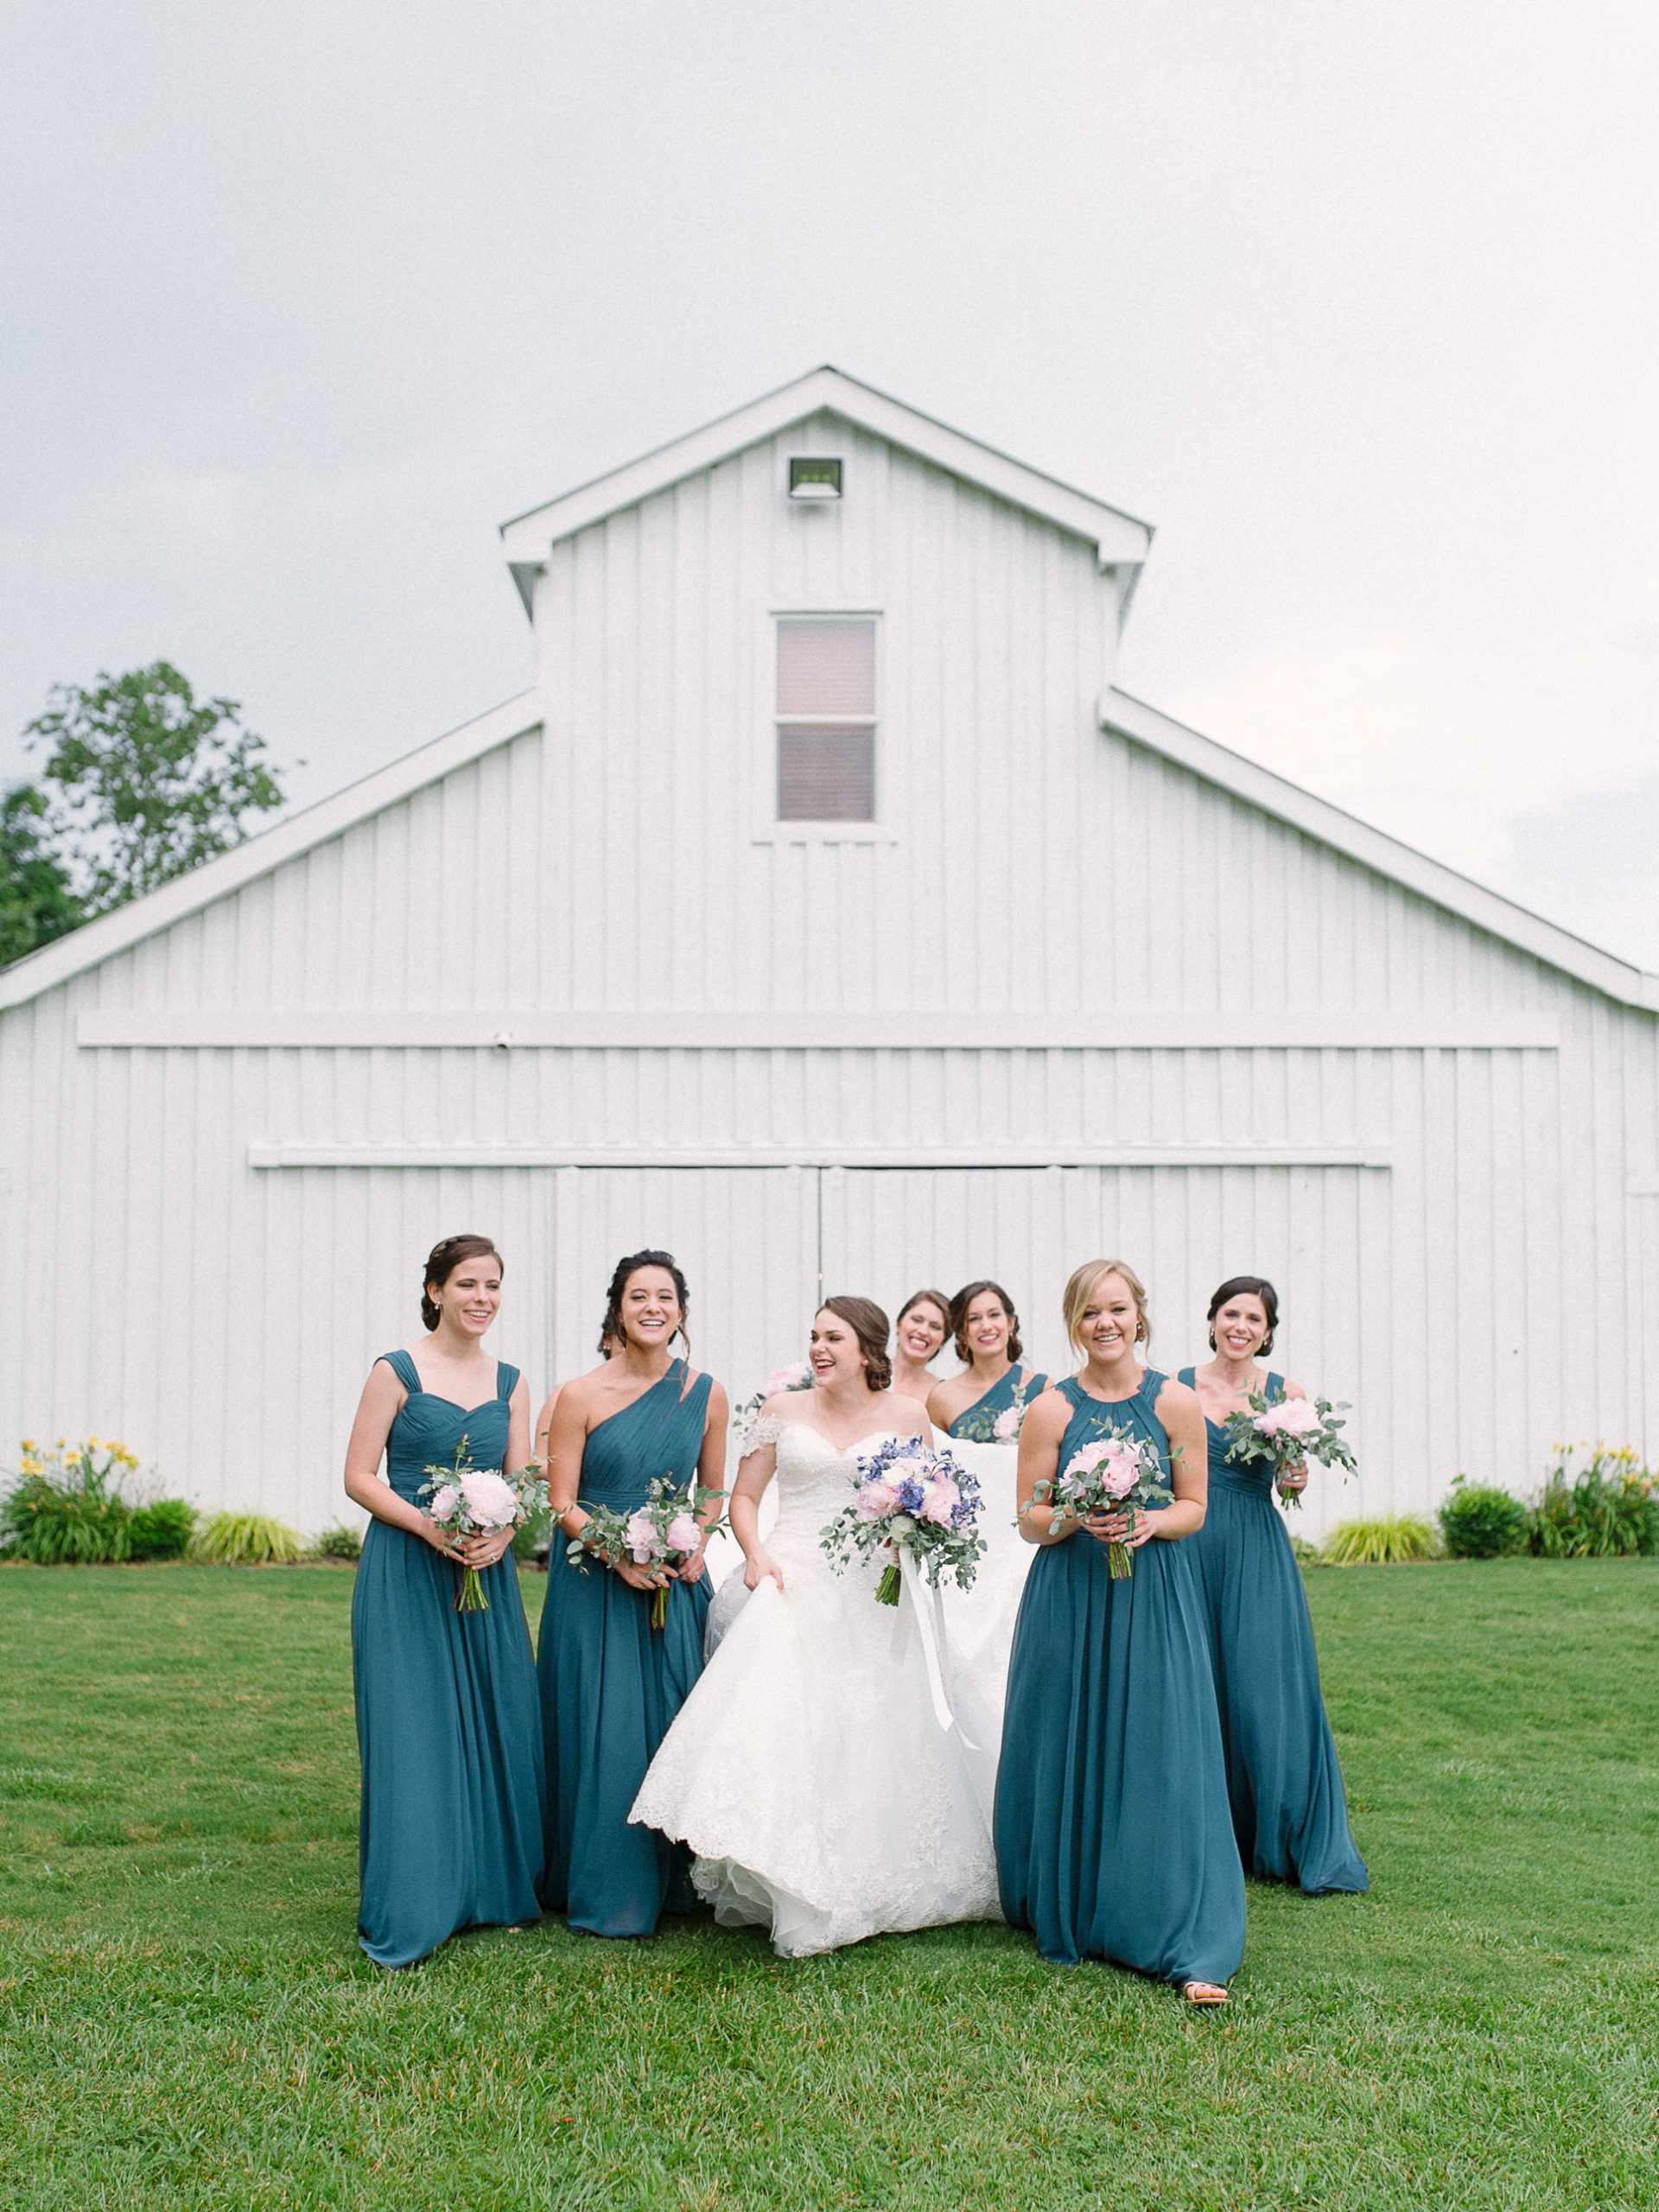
(93, 1443)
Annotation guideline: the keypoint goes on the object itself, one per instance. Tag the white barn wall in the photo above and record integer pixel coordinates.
(1487, 1291)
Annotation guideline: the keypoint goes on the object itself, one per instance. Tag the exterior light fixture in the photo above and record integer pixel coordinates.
(814, 480)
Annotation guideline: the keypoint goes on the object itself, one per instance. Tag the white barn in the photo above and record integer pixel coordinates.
(824, 913)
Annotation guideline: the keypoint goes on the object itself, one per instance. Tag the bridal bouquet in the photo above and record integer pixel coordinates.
(467, 1501)
(1120, 1473)
(798, 1376)
(1285, 1433)
(918, 1500)
(662, 1530)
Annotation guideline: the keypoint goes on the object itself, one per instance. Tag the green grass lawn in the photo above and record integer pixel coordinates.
(185, 2018)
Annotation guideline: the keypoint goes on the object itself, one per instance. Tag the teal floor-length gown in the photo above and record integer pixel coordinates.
(1113, 1840)
(1290, 1811)
(976, 1424)
(611, 1684)
(451, 1831)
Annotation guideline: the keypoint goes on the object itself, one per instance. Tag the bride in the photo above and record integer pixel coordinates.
(806, 1770)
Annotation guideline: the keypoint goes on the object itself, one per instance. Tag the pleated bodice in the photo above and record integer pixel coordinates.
(660, 1432)
(429, 1429)
(976, 1424)
(1247, 1475)
(1094, 1418)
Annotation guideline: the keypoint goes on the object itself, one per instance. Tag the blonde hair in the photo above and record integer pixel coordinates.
(1081, 1289)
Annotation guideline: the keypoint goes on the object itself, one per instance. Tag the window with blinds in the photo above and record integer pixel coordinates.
(826, 718)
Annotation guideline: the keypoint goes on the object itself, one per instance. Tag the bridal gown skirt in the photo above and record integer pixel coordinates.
(980, 1621)
(807, 1769)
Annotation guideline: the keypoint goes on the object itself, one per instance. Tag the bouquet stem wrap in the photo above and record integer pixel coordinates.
(930, 1630)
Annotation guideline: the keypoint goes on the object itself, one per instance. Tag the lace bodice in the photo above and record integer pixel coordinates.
(814, 1478)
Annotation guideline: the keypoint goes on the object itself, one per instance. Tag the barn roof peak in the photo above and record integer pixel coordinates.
(1120, 541)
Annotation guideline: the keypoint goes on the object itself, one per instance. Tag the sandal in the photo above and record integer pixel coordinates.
(1204, 1992)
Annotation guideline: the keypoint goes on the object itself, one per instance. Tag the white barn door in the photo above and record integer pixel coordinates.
(1311, 1230)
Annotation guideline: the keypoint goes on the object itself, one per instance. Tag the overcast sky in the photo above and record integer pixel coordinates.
(1357, 305)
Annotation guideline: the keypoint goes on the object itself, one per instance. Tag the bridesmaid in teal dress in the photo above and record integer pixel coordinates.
(451, 1831)
(611, 1684)
(991, 1383)
(1290, 1812)
(1113, 1839)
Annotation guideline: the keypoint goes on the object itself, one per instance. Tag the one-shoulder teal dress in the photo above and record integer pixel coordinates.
(611, 1684)
(451, 1832)
(1290, 1812)
(1113, 1839)
(976, 1424)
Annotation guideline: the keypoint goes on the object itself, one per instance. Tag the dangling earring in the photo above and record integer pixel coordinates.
(1213, 1346)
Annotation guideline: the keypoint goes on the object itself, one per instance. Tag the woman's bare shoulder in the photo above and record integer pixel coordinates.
(909, 1415)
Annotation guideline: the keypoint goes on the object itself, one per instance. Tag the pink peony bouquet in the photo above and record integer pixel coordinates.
(659, 1534)
(1119, 1472)
(917, 1500)
(1286, 1434)
(467, 1501)
(796, 1376)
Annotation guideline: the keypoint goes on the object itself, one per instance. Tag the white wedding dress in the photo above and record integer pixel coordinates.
(807, 1769)
(980, 1621)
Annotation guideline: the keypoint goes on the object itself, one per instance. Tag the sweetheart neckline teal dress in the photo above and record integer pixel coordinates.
(611, 1684)
(975, 1424)
(451, 1829)
(1112, 1836)
(1284, 1779)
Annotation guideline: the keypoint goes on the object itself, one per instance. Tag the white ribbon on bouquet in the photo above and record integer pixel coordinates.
(936, 1644)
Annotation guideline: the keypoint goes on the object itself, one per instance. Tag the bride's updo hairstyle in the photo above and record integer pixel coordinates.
(441, 1263)
(870, 1325)
(1246, 1287)
(612, 1325)
(959, 1305)
(1081, 1289)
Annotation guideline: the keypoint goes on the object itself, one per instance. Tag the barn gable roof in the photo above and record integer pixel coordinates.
(1375, 849)
(216, 879)
(1120, 541)
(1119, 712)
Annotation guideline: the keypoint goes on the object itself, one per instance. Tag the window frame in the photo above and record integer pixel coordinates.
(769, 828)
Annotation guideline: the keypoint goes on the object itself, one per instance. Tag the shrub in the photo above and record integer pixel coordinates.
(1479, 1522)
(161, 1529)
(1307, 1554)
(1393, 1542)
(339, 1542)
(247, 1540)
(66, 1508)
(1608, 1510)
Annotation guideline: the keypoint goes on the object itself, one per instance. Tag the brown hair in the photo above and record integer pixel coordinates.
(1081, 1287)
(959, 1305)
(1246, 1287)
(442, 1260)
(926, 1298)
(870, 1325)
(612, 1326)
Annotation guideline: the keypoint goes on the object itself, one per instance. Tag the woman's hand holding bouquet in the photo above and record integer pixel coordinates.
(477, 1510)
(1107, 1487)
(644, 1546)
(1288, 1434)
(914, 1500)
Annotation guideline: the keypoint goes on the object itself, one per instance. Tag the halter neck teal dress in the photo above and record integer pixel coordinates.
(611, 1684)
(451, 1832)
(1113, 1839)
(976, 1424)
(1290, 1812)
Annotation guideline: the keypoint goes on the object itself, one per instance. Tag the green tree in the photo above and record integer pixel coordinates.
(36, 900)
(148, 781)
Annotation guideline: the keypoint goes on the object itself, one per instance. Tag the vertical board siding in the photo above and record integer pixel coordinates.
(1495, 1290)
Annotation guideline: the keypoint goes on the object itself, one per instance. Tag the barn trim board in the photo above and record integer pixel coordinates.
(1113, 986)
